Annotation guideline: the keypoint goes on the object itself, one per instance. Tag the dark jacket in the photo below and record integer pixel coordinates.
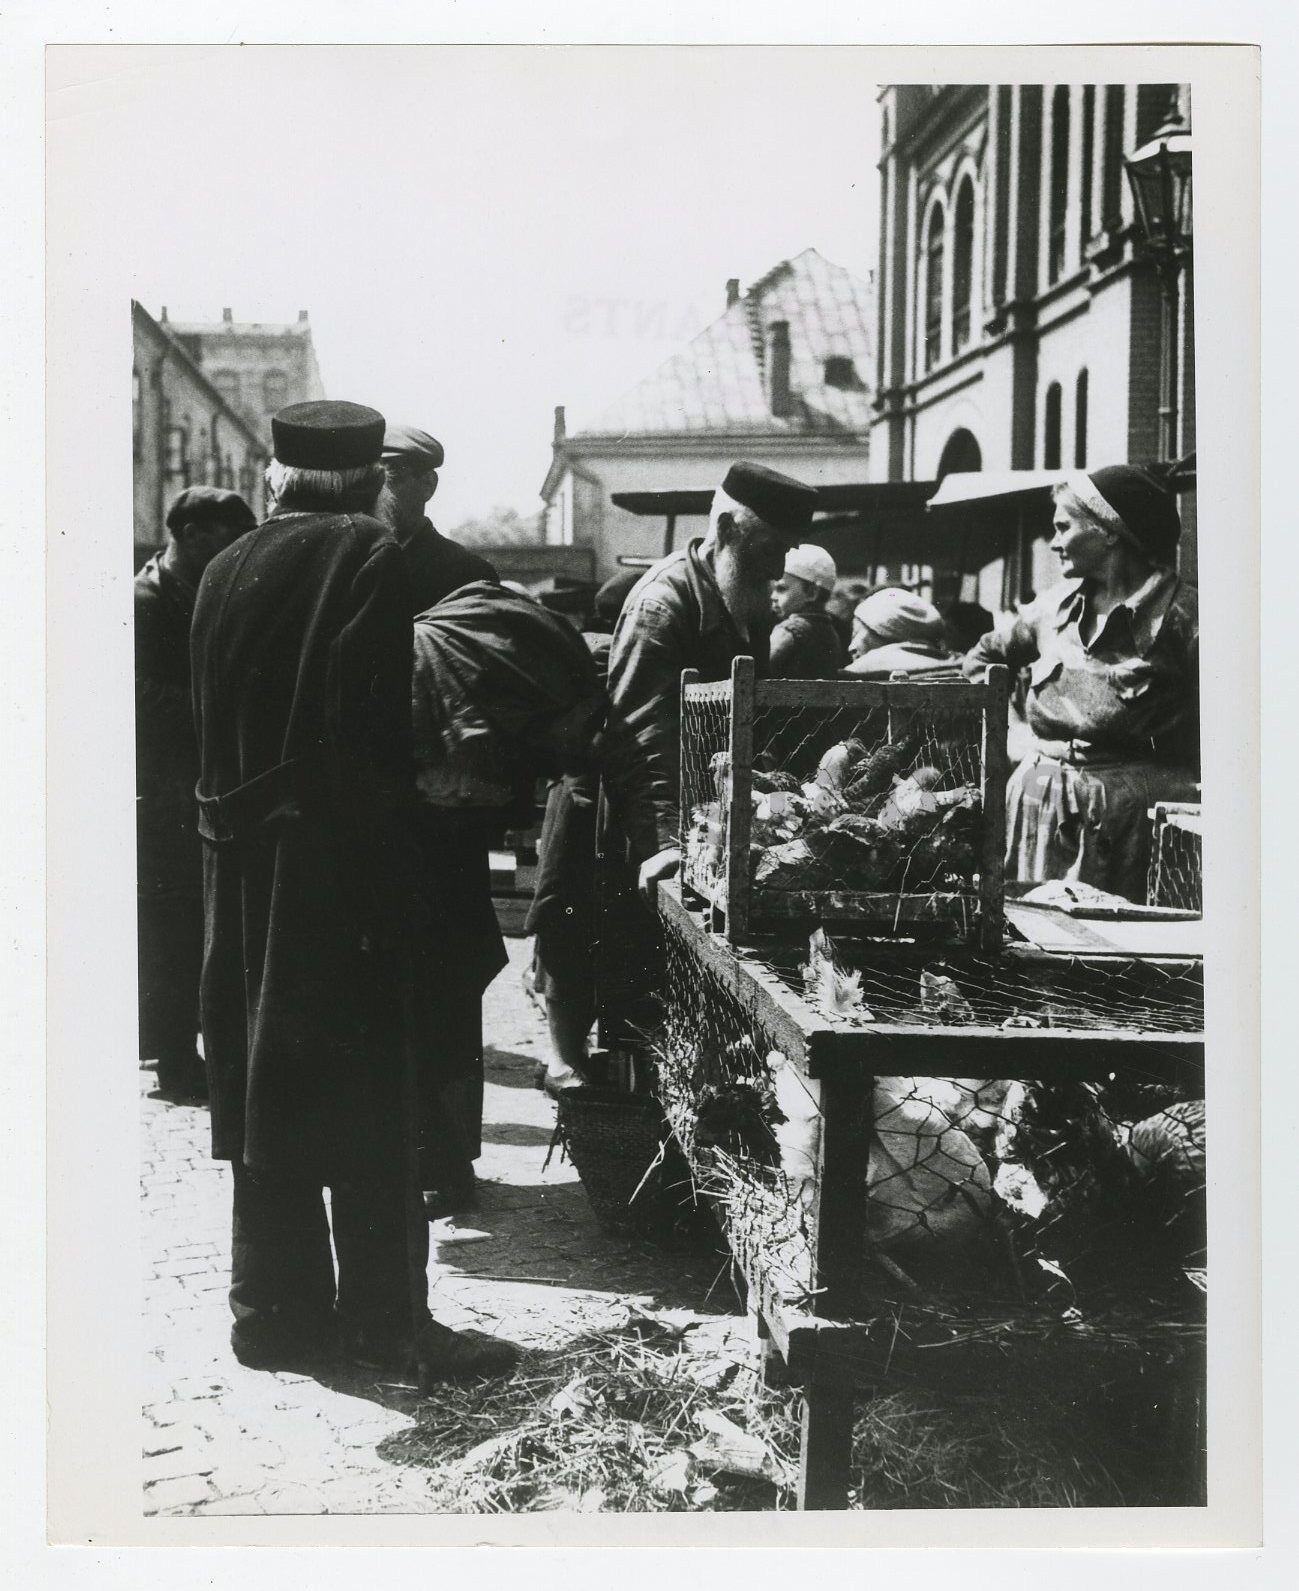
(437, 566)
(674, 619)
(1130, 693)
(168, 857)
(301, 649)
(806, 645)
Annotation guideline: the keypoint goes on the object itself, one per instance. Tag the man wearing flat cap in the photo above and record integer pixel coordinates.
(436, 564)
(452, 863)
(168, 856)
(698, 608)
(302, 653)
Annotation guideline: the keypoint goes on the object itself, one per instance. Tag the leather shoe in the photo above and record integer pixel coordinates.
(445, 1355)
(280, 1350)
(454, 1200)
(182, 1082)
(440, 1354)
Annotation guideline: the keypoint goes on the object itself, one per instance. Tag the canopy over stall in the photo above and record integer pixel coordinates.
(859, 524)
(956, 526)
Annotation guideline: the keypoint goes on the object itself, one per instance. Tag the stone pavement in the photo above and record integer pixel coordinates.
(533, 1267)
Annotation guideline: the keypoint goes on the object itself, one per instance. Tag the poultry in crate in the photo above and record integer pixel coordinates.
(1113, 1198)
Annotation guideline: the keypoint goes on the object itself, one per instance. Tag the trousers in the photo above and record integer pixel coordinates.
(282, 1276)
(170, 928)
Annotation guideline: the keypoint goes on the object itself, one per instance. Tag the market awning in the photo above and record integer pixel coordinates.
(987, 487)
(841, 498)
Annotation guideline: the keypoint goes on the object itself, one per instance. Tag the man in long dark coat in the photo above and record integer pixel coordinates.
(452, 863)
(201, 522)
(301, 650)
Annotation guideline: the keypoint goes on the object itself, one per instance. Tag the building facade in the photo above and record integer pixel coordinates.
(780, 377)
(257, 367)
(1019, 322)
(183, 433)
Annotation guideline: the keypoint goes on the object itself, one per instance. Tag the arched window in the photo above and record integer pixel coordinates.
(1080, 422)
(1059, 181)
(962, 265)
(934, 288)
(1051, 428)
(961, 454)
(1088, 149)
(275, 390)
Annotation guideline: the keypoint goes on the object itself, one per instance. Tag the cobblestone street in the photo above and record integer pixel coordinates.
(533, 1266)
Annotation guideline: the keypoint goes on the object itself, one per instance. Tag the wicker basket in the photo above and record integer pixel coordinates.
(614, 1140)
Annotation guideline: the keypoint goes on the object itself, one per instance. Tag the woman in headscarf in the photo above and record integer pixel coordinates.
(1113, 689)
(898, 632)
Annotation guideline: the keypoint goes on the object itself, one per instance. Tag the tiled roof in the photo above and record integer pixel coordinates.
(718, 382)
(237, 328)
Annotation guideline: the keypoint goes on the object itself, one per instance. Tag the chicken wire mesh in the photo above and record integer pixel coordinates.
(870, 809)
(992, 1199)
(1176, 877)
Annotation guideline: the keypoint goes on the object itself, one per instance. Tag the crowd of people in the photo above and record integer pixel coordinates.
(340, 710)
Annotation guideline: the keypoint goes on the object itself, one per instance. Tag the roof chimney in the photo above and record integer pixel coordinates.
(732, 291)
(780, 396)
(162, 319)
(561, 430)
(227, 315)
(302, 315)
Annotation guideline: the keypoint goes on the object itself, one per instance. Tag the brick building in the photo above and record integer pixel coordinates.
(780, 377)
(183, 432)
(256, 366)
(1019, 323)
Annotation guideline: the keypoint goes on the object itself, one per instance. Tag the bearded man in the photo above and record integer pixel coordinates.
(698, 608)
(301, 660)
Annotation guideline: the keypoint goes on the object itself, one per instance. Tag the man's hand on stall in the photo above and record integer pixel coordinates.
(662, 866)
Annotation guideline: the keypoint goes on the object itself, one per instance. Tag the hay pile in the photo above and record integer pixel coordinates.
(667, 1413)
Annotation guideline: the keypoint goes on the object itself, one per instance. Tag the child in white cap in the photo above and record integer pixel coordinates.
(805, 643)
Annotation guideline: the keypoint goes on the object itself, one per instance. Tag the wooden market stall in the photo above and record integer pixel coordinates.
(941, 1019)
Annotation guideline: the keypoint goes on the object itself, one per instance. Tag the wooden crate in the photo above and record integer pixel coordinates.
(956, 728)
(1176, 876)
(805, 1274)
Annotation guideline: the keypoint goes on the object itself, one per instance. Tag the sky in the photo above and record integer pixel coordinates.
(478, 233)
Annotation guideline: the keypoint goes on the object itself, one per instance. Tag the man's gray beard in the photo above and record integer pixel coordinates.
(747, 595)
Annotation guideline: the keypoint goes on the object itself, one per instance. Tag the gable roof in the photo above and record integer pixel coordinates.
(719, 382)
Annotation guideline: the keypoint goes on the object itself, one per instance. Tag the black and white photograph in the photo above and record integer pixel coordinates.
(669, 942)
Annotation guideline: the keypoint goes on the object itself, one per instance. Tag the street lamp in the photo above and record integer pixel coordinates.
(1159, 175)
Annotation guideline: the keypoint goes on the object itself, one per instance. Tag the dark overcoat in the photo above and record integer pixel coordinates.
(166, 753)
(301, 652)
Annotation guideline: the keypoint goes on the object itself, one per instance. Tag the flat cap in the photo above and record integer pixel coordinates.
(208, 505)
(327, 435)
(778, 500)
(409, 442)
